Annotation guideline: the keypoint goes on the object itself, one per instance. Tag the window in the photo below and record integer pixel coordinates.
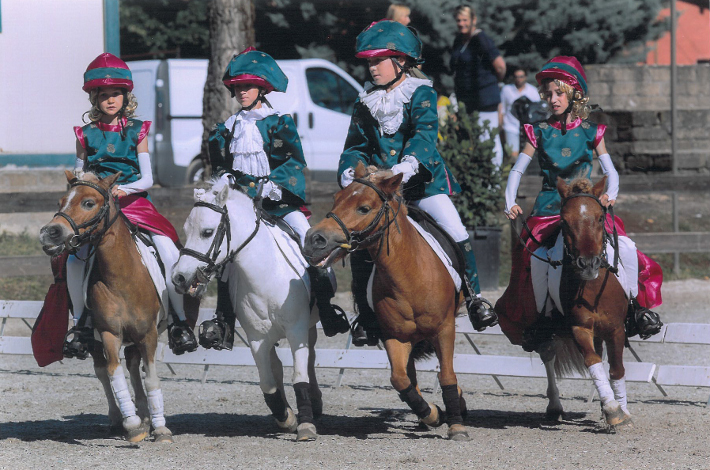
(329, 90)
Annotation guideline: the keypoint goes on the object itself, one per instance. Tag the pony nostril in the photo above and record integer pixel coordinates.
(581, 263)
(53, 232)
(178, 279)
(597, 262)
(318, 241)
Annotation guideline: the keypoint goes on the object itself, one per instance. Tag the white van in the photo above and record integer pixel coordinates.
(320, 98)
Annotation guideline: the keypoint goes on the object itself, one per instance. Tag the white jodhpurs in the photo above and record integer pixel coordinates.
(298, 221)
(169, 254)
(75, 280)
(442, 210)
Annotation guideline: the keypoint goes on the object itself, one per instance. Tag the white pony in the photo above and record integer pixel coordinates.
(269, 289)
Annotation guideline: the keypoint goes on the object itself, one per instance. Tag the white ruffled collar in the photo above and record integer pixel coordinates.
(247, 145)
(388, 107)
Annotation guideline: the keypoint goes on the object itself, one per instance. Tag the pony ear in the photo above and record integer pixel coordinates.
(598, 188)
(222, 195)
(360, 170)
(110, 180)
(70, 176)
(562, 188)
(390, 185)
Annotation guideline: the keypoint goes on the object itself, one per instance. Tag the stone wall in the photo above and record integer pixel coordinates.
(636, 104)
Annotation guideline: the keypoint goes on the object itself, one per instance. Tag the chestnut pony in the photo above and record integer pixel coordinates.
(123, 300)
(414, 297)
(593, 301)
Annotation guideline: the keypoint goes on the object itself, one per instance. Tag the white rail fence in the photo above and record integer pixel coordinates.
(478, 364)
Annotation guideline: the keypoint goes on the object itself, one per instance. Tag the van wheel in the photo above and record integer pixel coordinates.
(195, 172)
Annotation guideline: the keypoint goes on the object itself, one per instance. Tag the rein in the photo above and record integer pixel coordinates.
(204, 274)
(72, 245)
(363, 237)
(554, 263)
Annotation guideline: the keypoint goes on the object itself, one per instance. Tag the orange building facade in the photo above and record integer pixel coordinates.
(692, 35)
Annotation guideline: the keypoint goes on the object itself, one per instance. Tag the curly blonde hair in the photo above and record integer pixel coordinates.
(580, 103)
(129, 105)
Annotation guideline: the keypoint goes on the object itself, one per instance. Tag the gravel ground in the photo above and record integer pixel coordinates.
(55, 417)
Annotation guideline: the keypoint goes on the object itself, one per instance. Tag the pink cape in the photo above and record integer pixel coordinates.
(516, 308)
(143, 213)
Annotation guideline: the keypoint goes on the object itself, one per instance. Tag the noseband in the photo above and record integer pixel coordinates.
(204, 273)
(72, 245)
(360, 238)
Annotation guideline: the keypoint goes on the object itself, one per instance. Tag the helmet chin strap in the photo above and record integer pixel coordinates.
(565, 115)
(400, 71)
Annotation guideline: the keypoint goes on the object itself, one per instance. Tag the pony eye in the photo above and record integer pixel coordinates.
(206, 233)
(364, 210)
(88, 204)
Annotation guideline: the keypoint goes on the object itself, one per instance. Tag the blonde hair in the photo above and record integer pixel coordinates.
(129, 105)
(464, 9)
(580, 103)
(397, 11)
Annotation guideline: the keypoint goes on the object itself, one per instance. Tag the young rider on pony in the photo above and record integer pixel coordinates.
(116, 142)
(257, 143)
(565, 145)
(395, 126)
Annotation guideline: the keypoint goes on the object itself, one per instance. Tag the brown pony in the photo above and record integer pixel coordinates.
(593, 301)
(123, 301)
(414, 297)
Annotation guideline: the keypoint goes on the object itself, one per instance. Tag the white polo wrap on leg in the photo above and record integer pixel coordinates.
(619, 388)
(119, 386)
(155, 406)
(606, 395)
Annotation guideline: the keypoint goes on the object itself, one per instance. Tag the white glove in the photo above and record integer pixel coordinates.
(409, 166)
(511, 190)
(347, 177)
(612, 181)
(146, 180)
(271, 191)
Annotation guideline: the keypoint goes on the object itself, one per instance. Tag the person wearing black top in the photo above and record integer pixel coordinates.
(478, 67)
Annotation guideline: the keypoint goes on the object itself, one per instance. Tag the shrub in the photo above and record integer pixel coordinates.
(470, 159)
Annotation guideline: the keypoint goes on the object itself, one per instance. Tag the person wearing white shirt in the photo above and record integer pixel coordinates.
(508, 95)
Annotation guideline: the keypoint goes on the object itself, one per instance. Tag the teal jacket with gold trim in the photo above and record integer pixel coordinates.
(286, 161)
(417, 136)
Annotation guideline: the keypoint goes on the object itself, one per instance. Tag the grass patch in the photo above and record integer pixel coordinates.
(25, 287)
(692, 265)
(19, 245)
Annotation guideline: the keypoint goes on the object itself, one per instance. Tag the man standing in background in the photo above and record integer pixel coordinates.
(478, 67)
(509, 94)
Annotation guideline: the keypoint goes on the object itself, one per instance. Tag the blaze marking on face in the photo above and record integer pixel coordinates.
(583, 209)
(69, 198)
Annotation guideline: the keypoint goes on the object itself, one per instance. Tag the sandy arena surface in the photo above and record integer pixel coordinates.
(55, 417)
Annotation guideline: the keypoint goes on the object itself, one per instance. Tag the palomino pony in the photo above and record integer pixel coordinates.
(269, 289)
(124, 303)
(593, 302)
(413, 294)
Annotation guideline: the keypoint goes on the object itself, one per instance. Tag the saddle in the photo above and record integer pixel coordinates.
(282, 224)
(447, 243)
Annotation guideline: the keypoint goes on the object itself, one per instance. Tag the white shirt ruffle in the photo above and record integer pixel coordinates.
(247, 146)
(388, 107)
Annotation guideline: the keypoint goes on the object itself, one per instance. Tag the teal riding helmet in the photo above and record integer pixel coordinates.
(255, 67)
(388, 38)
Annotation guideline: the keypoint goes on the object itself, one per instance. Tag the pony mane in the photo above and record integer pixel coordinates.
(377, 174)
(208, 191)
(581, 186)
(89, 176)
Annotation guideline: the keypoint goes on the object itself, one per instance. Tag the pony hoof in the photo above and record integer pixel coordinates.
(163, 435)
(613, 414)
(290, 424)
(457, 432)
(137, 435)
(554, 415)
(435, 418)
(306, 432)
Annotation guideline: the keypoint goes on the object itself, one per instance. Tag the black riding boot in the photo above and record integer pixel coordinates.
(642, 321)
(218, 333)
(79, 340)
(480, 311)
(365, 329)
(181, 339)
(332, 317)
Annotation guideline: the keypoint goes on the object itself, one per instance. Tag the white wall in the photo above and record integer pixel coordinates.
(45, 47)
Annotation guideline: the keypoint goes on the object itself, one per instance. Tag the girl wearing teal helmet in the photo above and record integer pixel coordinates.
(395, 125)
(257, 143)
(114, 141)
